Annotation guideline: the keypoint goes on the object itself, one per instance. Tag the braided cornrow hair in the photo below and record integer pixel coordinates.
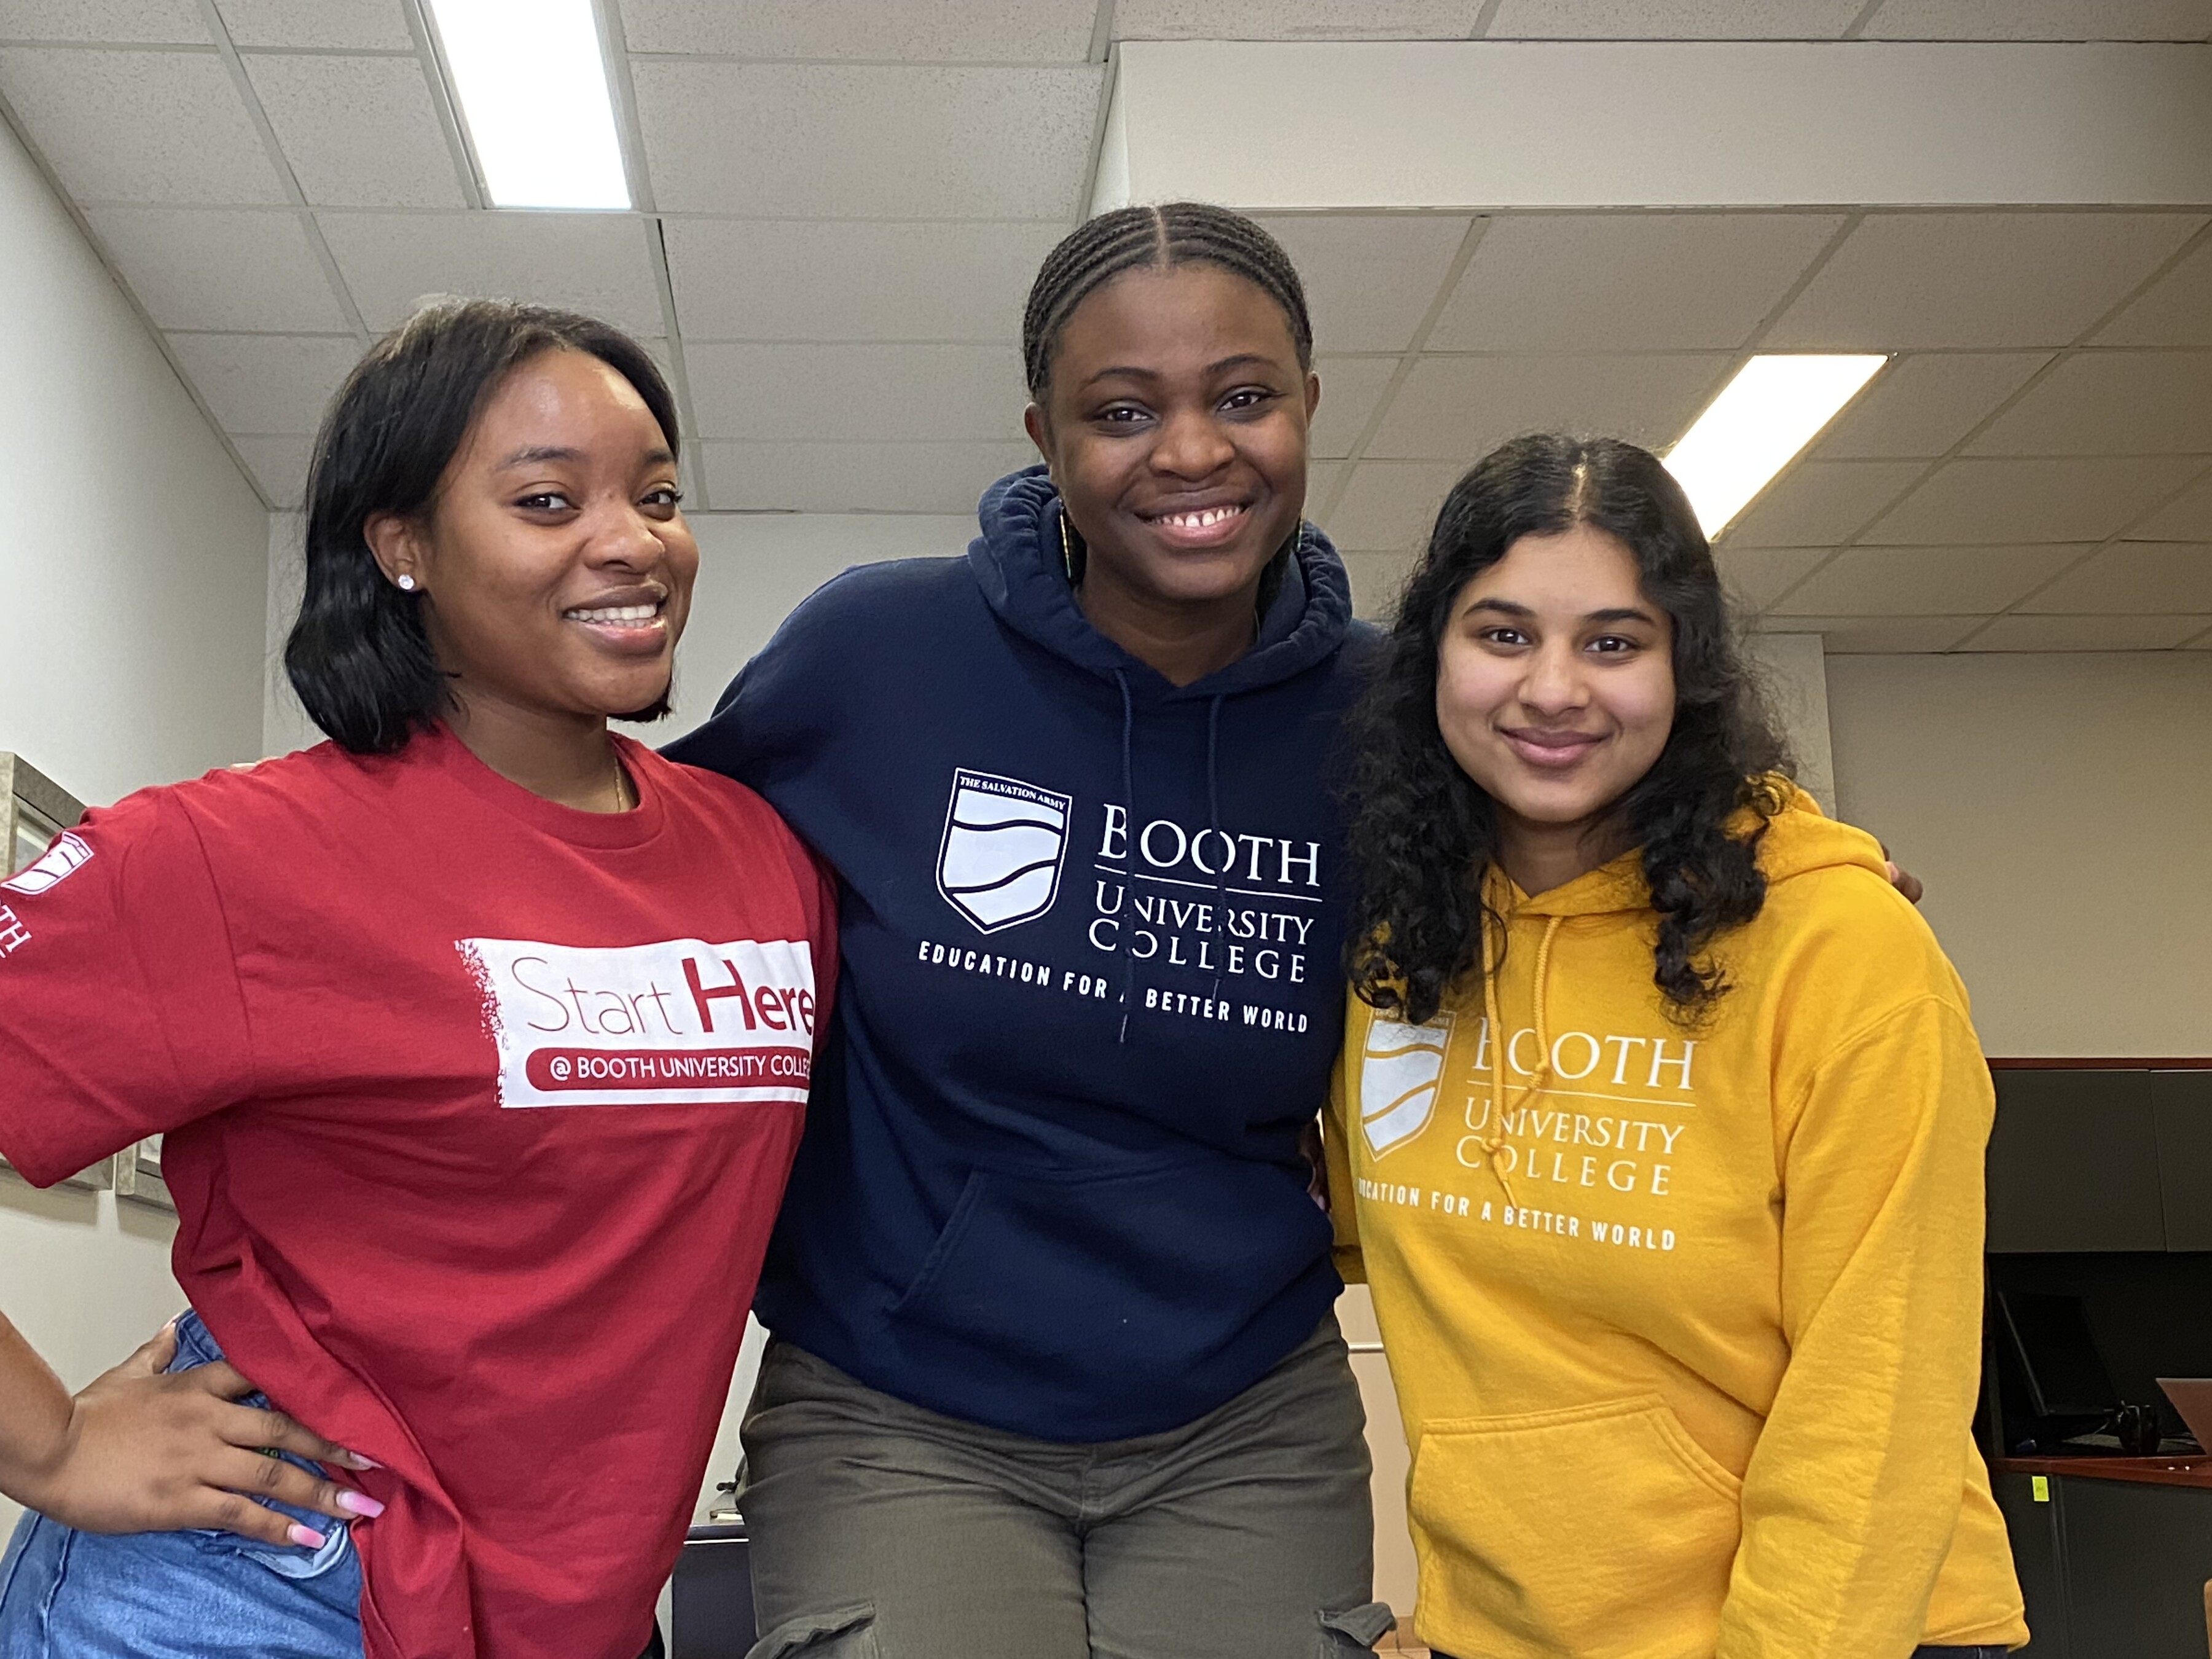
(1156, 239)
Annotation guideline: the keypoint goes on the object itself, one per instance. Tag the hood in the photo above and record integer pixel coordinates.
(1018, 562)
(1799, 839)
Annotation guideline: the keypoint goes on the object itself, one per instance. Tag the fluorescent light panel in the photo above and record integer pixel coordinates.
(533, 89)
(1771, 409)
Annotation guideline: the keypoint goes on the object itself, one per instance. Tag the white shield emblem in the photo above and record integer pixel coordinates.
(68, 855)
(1004, 841)
(1400, 1069)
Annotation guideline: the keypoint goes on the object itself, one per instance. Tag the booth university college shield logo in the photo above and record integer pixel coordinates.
(1004, 843)
(1400, 1067)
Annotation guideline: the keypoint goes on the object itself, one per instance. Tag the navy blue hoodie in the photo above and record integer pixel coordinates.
(1089, 992)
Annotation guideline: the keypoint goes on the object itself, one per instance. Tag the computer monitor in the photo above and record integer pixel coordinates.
(2066, 1375)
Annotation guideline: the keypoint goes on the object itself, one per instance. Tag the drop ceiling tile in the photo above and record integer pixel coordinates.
(2110, 403)
(1320, 478)
(2087, 633)
(1821, 503)
(278, 467)
(1925, 403)
(1926, 582)
(1389, 506)
(220, 269)
(796, 279)
(1459, 408)
(2188, 518)
(2141, 577)
(1370, 278)
(857, 393)
(1673, 19)
(140, 126)
(2041, 19)
(1626, 281)
(821, 140)
(1756, 577)
(858, 477)
(259, 383)
(2176, 310)
(1906, 281)
(358, 131)
(2000, 501)
(595, 263)
(1377, 581)
(913, 31)
(339, 25)
(1848, 636)
(1350, 389)
(1308, 20)
(143, 23)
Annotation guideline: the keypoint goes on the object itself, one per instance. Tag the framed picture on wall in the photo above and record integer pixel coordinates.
(33, 812)
(138, 1176)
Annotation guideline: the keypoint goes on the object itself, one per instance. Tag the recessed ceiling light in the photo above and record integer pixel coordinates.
(532, 88)
(1772, 409)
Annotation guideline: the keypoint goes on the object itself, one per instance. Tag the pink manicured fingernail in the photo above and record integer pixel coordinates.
(306, 1537)
(360, 1503)
(358, 1462)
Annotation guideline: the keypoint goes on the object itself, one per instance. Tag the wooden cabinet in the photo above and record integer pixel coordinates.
(2181, 1109)
(2111, 1568)
(2074, 1163)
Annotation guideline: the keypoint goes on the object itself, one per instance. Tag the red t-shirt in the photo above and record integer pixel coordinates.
(479, 1109)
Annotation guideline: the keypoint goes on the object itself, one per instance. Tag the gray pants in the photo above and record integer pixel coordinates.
(883, 1531)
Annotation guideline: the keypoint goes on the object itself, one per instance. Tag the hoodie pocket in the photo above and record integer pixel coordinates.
(1137, 1275)
(1604, 1531)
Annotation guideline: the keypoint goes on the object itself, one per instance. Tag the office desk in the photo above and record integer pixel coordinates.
(2114, 1560)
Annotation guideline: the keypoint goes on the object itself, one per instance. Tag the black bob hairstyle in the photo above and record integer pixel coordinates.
(1423, 833)
(358, 655)
(1154, 239)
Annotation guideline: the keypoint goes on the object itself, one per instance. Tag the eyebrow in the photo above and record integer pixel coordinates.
(531, 456)
(1618, 613)
(1134, 372)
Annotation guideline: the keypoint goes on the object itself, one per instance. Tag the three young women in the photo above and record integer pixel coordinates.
(1054, 1373)
(1659, 1130)
(478, 1100)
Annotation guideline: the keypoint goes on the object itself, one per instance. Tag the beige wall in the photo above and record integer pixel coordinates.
(2059, 808)
(132, 555)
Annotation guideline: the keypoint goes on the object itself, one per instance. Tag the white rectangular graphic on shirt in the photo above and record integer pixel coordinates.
(1400, 1068)
(681, 1022)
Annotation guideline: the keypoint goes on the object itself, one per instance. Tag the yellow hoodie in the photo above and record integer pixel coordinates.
(1687, 1367)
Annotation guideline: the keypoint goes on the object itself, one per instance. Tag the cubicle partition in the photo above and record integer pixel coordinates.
(2100, 1283)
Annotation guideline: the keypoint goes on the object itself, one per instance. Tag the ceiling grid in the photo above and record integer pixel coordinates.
(839, 206)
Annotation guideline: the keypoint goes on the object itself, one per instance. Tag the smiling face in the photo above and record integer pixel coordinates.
(556, 568)
(1555, 690)
(1175, 429)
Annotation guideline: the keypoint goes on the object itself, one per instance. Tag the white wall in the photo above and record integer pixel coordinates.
(2057, 807)
(132, 559)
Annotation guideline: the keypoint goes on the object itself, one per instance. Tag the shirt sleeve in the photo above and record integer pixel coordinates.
(1852, 1493)
(121, 1011)
(1336, 1147)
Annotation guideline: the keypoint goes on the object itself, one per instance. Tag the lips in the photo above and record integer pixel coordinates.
(1207, 524)
(1549, 751)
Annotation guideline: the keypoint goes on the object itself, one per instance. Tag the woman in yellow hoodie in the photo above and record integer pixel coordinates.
(1658, 1132)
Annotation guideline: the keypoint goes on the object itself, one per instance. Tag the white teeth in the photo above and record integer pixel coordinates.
(614, 613)
(1201, 520)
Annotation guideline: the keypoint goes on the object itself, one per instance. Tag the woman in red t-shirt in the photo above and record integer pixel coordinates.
(479, 1038)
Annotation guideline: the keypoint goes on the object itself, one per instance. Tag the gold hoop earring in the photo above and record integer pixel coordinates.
(1067, 551)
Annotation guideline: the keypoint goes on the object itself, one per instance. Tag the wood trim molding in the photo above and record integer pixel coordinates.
(2124, 1063)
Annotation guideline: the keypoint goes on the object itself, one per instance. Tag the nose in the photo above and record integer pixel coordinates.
(1191, 445)
(622, 537)
(1555, 683)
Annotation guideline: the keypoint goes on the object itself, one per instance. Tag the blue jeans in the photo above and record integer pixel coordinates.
(71, 1594)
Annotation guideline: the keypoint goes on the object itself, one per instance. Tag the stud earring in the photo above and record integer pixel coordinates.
(407, 584)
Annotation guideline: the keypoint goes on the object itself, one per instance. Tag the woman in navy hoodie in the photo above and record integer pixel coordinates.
(1054, 1373)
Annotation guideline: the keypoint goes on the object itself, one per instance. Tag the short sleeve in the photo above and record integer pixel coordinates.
(121, 1011)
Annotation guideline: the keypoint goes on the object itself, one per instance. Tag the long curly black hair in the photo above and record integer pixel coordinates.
(1423, 833)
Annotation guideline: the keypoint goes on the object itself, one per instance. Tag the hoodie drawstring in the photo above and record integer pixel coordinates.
(1493, 1142)
(1213, 797)
(1129, 805)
